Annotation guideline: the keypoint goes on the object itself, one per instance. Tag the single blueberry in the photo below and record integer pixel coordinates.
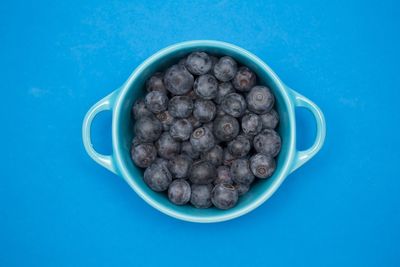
(270, 119)
(260, 100)
(180, 106)
(225, 69)
(148, 129)
(179, 192)
(178, 80)
(206, 86)
(166, 120)
(179, 166)
(268, 142)
(240, 171)
(157, 177)
(224, 196)
(202, 172)
(202, 139)
(161, 162)
(251, 124)
(234, 104)
(201, 196)
(223, 175)
(167, 146)
(244, 79)
(204, 110)
(214, 155)
(188, 149)
(143, 154)
(156, 101)
(262, 166)
(239, 147)
(223, 90)
(225, 128)
(155, 83)
(181, 130)
(139, 110)
(198, 63)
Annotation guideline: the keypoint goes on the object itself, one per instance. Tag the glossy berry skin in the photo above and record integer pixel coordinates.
(239, 147)
(139, 110)
(251, 124)
(225, 69)
(244, 79)
(166, 120)
(214, 155)
(223, 175)
(180, 106)
(167, 146)
(198, 63)
(204, 110)
(206, 86)
(156, 102)
(226, 128)
(268, 142)
(240, 171)
(178, 80)
(181, 130)
(224, 196)
(155, 83)
(179, 166)
(179, 192)
(148, 129)
(234, 104)
(202, 139)
(157, 177)
(270, 119)
(262, 166)
(228, 157)
(201, 196)
(144, 154)
(260, 100)
(187, 149)
(242, 188)
(223, 90)
(202, 172)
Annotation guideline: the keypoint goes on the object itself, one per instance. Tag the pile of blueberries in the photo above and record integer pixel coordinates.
(205, 131)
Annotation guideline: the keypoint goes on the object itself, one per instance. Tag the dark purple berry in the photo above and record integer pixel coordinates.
(198, 63)
(179, 166)
(262, 166)
(223, 175)
(180, 106)
(228, 157)
(240, 171)
(224, 196)
(194, 121)
(270, 119)
(181, 130)
(268, 142)
(223, 90)
(143, 154)
(242, 188)
(148, 129)
(156, 101)
(201, 196)
(225, 69)
(167, 146)
(157, 177)
(139, 110)
(202, 139)
(178, 80)
(225, 128)
(206, 86)
(214, 155)
(239, 147)
(188, 149)
(155, 83)
(260, 100)
(179, 192)
(251, 124)
(234, 104)
(204, 110)
(244, 79)
(166, 120)
(202, 172)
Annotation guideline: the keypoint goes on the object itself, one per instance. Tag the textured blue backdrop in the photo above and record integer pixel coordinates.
(58, 208)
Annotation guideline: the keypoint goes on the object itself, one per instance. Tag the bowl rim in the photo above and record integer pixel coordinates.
(117, 109)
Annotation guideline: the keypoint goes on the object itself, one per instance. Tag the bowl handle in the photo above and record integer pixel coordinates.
(302, 157)
(105, 104)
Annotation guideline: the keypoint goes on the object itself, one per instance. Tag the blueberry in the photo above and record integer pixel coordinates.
(143, 154)
(201, 196)
(181, 130)
(178, 80)
(224, 196)
(136, 141)
(260, 100)
(270, 119)
(268, 142)
(156, 101)
(139, 110)
(239, 147)
(251, 124)
(202, 172)
(242, 188)
(155, 83)
(167, 146)
(225, 128)
(209, 125)
(214, 155)
(206, 86)
(223, 90)
(148, 129)
(204, 110)
(240, 171)
(202, 139)
(234, 104)
(228, 157)
(220, 111)
(161, 162)
(166, 120)
(244, 79)
(180, 106)
(223, 175)
(198, 63)
(188, 149)
(225, 69)
(194, 121)
(179, 166)
(157, 177)
(262, 166)
(179, 192)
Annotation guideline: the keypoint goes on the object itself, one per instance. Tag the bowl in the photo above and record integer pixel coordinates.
(120, 101)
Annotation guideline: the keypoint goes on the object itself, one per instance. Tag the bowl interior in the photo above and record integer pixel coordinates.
(123, 123)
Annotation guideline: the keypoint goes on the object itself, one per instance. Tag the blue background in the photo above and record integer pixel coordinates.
(58, 208)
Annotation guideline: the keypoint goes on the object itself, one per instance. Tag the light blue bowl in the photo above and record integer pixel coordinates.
(120, 102)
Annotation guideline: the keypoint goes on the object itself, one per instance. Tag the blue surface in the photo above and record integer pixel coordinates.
(58, 208)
